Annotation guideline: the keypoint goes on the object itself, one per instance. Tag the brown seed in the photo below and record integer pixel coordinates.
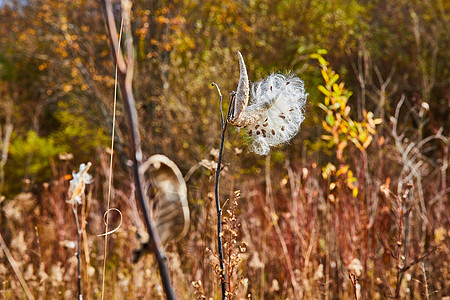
(291, 109)
(257, 133)
(250, 133)
(266, 119)
(282, 128)
(265, 124)
(288, 82)
(283, 117)
(273, 132)
(263, 132)
(257, 126)
(271, 88)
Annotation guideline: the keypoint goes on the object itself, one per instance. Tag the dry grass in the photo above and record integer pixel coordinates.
(300, 243)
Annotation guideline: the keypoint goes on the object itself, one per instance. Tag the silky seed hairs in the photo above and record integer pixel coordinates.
(276, 110)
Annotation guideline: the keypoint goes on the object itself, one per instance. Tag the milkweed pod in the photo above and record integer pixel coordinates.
(242, 93)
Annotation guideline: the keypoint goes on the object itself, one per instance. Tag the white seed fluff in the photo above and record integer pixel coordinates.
(278, 107)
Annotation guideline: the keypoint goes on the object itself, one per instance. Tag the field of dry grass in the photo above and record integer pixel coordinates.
(353, 205)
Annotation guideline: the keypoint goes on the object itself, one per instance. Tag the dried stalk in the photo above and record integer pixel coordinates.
(16, 269)
(75, 212)
(125, 77)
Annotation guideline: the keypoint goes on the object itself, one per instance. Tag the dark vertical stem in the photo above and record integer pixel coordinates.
(125, 77)
(219, 209)
(219, 216)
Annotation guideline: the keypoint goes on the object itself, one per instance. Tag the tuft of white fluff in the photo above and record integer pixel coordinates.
(277, 110)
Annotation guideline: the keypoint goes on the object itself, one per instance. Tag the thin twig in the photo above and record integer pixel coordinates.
(406, 196)
(427, 294)
(220, 103)
(110, 174)
(125, 76)
(16, 269)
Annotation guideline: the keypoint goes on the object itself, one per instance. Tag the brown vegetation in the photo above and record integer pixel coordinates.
(356, 206)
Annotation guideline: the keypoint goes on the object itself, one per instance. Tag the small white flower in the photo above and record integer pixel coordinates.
(276, 110)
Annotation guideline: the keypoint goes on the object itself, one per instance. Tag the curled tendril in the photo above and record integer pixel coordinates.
(220, 102)
(106, 223)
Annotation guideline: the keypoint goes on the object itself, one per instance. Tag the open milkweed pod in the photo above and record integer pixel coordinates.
(275, 112)
(241, 101)
(171, 210)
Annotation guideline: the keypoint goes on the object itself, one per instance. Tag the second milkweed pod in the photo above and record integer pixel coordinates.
(171, 212)
(277, 104)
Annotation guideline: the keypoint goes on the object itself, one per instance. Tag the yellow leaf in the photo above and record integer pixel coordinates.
(367, 142)
(68, 88)
(325, 75)
(378, 121)
(324, 90)
(336, 88)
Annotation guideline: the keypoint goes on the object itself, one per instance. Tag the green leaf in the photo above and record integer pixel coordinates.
(323, 107)
(330, 119)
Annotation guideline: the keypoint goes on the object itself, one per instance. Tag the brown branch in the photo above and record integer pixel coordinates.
(420, 258)
(125, 78)
(386, 247)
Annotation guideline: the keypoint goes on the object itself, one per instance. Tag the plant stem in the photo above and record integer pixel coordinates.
(218, 208)
(74, 208)
(219, 215)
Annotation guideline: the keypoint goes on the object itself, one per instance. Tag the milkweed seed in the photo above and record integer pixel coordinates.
(283, 117)
(265, 124)
(257, 133)
(257, 126)
(282, 128)
(263, 132)
(273, 131)
(288, 82)
(250, 133)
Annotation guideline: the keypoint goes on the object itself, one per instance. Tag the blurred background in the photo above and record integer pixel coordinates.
(365, 194)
